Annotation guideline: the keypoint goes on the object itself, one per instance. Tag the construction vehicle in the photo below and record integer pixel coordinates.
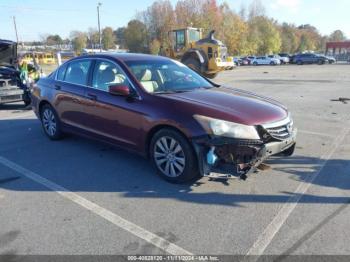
(208, 56)
(12, 87)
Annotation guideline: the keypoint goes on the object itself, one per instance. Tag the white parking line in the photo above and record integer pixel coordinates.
(19, 115)
(272, 229)
(315, 133)
(136, 230)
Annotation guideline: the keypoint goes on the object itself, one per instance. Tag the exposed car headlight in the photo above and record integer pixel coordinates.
(227, 129)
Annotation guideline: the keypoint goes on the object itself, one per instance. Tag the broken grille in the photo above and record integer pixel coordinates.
(280, 130)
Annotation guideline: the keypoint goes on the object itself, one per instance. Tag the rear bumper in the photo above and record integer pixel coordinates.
(228, 156)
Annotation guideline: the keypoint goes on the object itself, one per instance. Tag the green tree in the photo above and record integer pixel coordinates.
(136, 36)
(159, 19)
(289, 38)
(233, 31)
(337, 36)
(120, 36)
(154, 47)
(93, 38)
(54, 40)
(265, 35)
(79, 40)
(108, 38)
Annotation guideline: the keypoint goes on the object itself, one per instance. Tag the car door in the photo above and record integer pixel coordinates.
(308, 58)
(116, 119)
(71, 83)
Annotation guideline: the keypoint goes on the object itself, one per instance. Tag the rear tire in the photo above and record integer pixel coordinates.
(193, 64)
(173, 156)
(50, 122)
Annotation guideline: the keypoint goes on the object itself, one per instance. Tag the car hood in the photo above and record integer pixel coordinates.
(233, 105)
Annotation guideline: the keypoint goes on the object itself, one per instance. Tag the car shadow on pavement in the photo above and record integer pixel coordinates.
(83, 165)
(16, 106)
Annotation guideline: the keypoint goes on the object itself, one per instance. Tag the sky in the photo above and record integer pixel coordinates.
(36, 18)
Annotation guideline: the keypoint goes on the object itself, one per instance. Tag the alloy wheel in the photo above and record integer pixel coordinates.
(49, 122)
(169, 156)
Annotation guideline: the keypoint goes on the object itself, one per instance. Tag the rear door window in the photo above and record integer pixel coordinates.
(61, 72)
(77, 72)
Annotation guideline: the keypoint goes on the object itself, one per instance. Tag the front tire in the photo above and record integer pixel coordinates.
(50, 122)
(173, 156)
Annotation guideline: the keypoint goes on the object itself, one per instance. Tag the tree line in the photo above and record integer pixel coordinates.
(246, 31)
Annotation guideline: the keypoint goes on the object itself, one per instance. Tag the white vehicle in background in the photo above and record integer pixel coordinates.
(265, 60)
(283, 60)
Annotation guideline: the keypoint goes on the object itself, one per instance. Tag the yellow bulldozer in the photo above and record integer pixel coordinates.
(208, 56)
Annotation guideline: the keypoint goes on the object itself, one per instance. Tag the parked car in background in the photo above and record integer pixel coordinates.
(285, 58)
(331, 59)
(129, 100)
(309, 58)
(266, 60)
(237, 61)
(251, 58)
(245, 60)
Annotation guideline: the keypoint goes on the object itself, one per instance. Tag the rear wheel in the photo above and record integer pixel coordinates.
(50, 122)
(173, 156)
(320, 62)
(194, 64)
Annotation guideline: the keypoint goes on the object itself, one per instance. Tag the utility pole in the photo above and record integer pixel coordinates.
(14, 23)
(99, 26)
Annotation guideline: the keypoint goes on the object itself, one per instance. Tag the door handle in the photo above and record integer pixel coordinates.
(92, 97)
(57, 87)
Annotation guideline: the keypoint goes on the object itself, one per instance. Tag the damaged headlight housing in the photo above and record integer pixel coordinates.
(226, 129)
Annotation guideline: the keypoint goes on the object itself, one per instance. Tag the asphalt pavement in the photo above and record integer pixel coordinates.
(81, 197)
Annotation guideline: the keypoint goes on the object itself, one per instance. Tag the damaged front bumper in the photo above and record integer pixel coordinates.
(238, 157)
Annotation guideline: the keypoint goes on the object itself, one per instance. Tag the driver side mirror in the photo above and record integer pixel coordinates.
(119, 90)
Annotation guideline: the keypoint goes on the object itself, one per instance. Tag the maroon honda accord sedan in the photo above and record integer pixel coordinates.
(187, 125)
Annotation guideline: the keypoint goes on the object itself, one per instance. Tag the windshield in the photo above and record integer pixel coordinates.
(166, 76)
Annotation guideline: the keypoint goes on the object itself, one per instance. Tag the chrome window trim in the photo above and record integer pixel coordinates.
(90, 87)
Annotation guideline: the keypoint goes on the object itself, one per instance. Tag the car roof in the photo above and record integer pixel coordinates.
(125, 57)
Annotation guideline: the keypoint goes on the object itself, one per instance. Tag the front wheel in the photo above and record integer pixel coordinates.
(173, 156)
(50, 122)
